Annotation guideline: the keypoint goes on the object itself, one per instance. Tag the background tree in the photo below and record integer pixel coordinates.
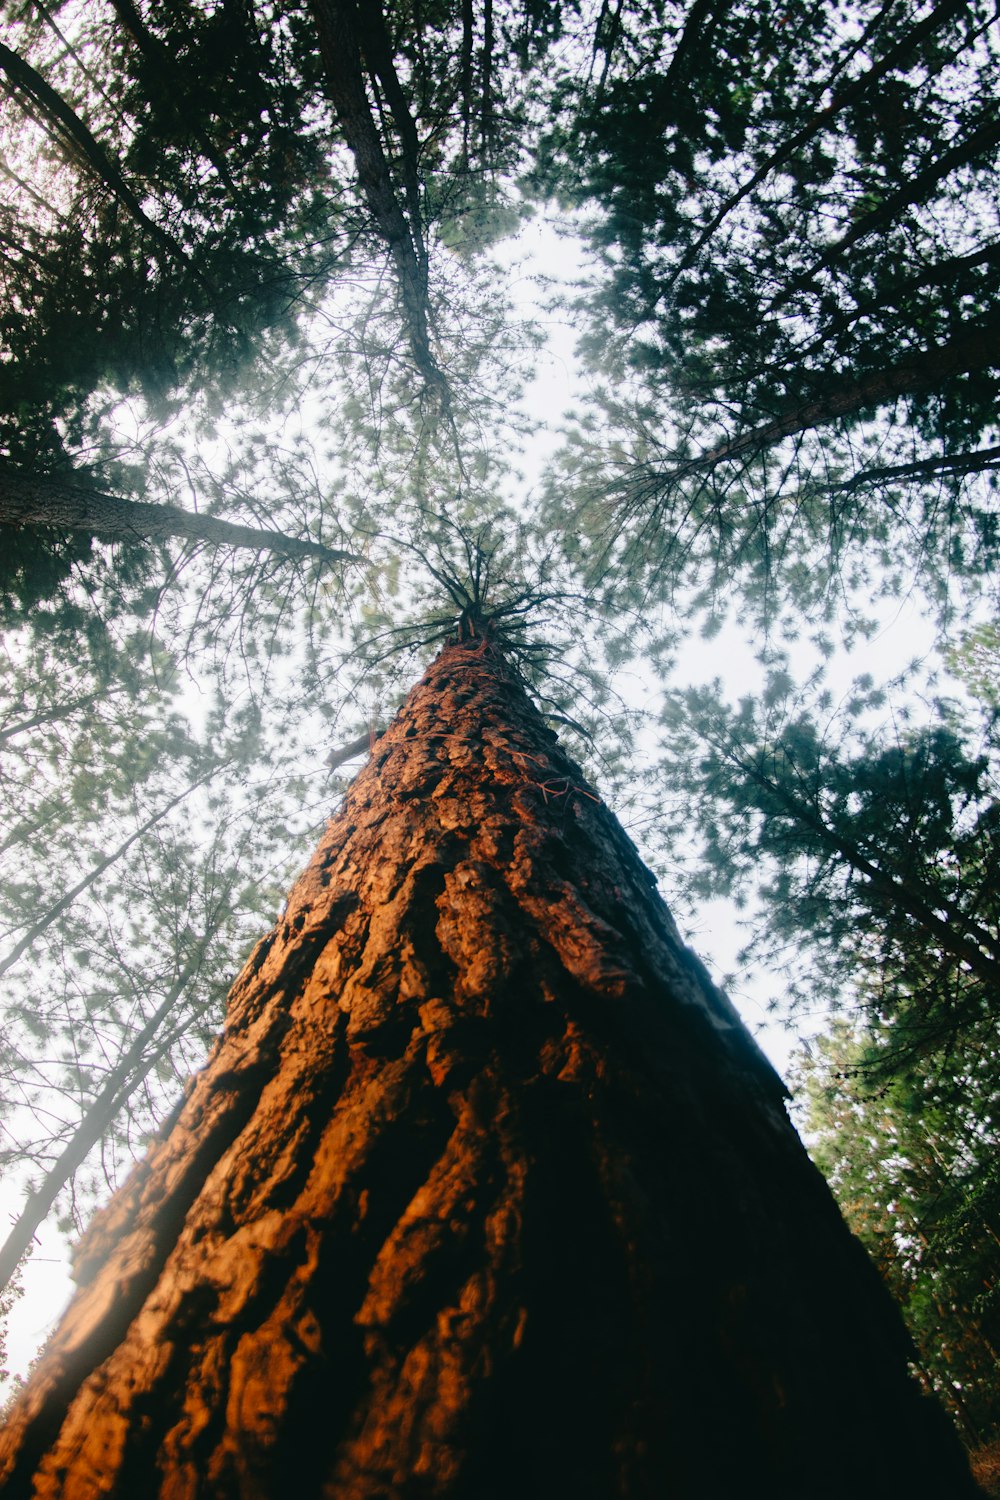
(871, 861)
(912, 1161)
(800, 265)
(883, 853)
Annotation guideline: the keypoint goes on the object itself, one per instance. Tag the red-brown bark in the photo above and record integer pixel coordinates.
(484, 1192)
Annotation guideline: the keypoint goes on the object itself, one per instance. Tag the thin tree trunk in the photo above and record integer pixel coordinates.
(378, 53)
(486, 80)
(122, 1082)
(699, 23)
(66, 126)
(25, 501)
(337, 29)
(51, 715)
(66, 901)
(975, 347)
(607, 30)
(485, 1191)
(465, 76)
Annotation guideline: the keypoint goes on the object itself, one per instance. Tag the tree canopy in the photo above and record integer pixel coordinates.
(266, 415)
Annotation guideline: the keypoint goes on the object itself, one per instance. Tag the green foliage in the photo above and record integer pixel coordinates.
(35, 566)
(197, 108)
(975, 660)
(774, 187)
(914, 1165)
(9, 1297)
(883, 856)
(794, 217)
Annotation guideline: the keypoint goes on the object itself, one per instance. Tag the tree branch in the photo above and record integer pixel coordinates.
(122, 1081)
(340, 48)
(976, 347)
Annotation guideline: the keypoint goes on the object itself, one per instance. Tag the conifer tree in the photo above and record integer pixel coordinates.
(484, 1188)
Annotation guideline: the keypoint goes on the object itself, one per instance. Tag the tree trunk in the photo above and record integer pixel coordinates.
(26, 501)
(484, 1192)
(340, 48)
(65, 126)
(973, 349)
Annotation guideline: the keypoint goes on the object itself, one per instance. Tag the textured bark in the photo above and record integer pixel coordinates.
(26, 501)
(484, 1191)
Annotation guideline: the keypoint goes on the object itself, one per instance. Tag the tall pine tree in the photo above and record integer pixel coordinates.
(484, 1187)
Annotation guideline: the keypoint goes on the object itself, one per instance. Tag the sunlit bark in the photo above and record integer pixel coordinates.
(484, 1192)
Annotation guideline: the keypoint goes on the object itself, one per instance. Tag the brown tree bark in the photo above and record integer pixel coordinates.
(485, 1191)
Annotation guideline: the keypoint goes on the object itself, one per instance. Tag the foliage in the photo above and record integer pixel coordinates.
(975, 660)
(882, 853)
(914, 1165)
(796, 221)
(133, 855)
(11, 1294)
